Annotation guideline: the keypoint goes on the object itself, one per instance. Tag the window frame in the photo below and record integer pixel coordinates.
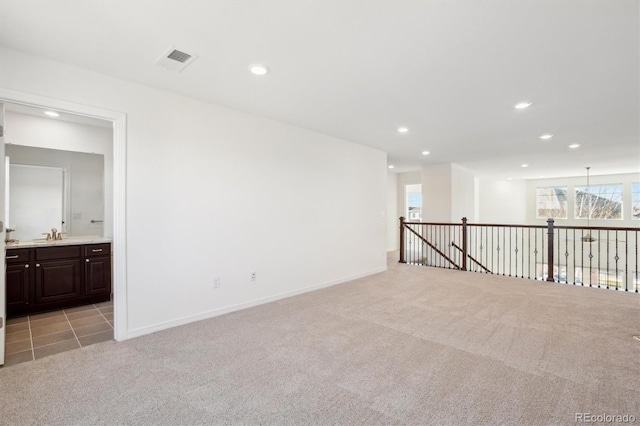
(635, 201)
(566, 202)
(589, 215)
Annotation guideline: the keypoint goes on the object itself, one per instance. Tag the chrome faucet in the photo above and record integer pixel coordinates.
(54, 235)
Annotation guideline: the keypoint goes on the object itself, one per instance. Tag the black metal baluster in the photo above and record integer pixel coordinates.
(416, 228)
(510, 250)
(493, 253)
(558, 256)
(514, 253)
(637, 278)
(590, 260)
(626, 260)
(574, 260)
(607, 274)
(439, 244)
(616, 259)
(529, 253)
(522, 262)
(440, 232)
(566, 256)
(483, 245)
(599, 269)
(535, 251)
(479, 246)
(504, 251)
(582, 257)
(436, 239)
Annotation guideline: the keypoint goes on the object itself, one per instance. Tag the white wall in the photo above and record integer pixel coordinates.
(463, 194)
(215, 192)
(28, 130)
(85, 180)
(448, 193)
(436, 193)
(571, 182)
(502, 201)
(392, 212)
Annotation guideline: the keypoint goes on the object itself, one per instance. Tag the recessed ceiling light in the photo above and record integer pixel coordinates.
(524, 165)
(574, 145)
(391, 166)
(509, 178)
(52, 114)
(545, 137)
(403, 129)
(258, 69)
(523, 105)
(425, 153)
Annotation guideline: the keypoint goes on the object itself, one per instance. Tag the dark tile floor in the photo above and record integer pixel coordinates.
(36, 336)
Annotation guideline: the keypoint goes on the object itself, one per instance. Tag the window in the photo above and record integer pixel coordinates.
(551, 202)
(599, 202)
(414, 203)
(635, 201)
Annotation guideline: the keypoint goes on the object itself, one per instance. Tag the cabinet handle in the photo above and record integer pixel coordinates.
(96, 250)
(87, 260)
(13, 257)
(37, 265)
(26, 266)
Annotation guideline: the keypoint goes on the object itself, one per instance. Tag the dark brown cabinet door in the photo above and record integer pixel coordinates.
(97, 275)
(17, 283)
(57, 280)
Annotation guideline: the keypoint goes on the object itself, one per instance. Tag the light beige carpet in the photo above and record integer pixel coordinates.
(414, 345)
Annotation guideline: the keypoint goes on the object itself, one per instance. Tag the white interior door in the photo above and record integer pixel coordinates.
(3, 302)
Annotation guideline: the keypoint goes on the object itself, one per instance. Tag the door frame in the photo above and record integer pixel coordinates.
(119, 120)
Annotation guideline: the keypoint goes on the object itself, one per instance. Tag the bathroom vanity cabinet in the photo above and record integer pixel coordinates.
(44, 278)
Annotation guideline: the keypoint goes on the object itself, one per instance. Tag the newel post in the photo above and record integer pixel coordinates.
(464, 244)
(550, 250)
(402, 259)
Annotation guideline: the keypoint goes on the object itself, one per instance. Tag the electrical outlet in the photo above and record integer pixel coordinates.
(216, 282)
(253, 276)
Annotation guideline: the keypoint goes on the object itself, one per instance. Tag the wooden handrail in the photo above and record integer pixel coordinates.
(424, 240)
(597, 228)
(502, 225)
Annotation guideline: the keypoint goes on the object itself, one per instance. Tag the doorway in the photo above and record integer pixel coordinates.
(117, 122)
(413, 202)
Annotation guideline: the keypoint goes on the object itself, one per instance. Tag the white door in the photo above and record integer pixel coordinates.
(3, 302)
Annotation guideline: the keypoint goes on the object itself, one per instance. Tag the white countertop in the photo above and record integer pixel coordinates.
(66, 242)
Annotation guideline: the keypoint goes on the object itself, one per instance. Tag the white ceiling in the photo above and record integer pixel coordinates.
(451, 71)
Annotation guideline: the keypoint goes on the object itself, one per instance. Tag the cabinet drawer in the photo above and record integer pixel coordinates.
(17, 255)
(97, 250)
(62, 252)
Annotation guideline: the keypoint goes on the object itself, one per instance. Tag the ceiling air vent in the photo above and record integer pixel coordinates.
(175, 60)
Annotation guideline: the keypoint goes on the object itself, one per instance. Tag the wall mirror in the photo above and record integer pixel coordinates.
(36, 199)
(48, 188)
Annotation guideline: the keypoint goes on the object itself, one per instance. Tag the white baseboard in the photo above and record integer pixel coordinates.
(137, 332)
